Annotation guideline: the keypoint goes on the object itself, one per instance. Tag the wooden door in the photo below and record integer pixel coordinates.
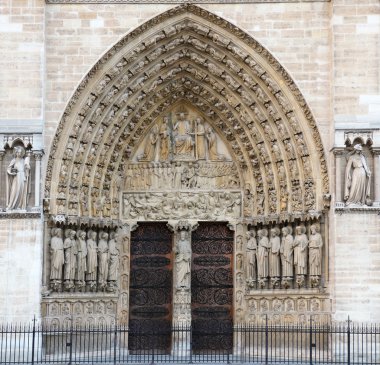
(212, 288)
(150, 301)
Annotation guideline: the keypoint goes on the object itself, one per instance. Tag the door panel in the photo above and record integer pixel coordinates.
(150, 288)
(212, 287)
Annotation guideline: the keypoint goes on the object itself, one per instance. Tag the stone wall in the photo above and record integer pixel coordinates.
(356, 270)
(20, 269)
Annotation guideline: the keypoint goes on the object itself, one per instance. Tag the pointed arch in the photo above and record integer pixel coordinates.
(189, 54)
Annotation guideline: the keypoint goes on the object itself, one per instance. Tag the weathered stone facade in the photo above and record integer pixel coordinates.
(247, 114)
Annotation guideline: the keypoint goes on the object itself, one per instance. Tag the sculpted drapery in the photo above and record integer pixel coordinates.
(357, 182)
(18, 172)
(183, 260)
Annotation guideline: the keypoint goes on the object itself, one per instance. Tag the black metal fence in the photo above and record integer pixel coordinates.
(311, 343)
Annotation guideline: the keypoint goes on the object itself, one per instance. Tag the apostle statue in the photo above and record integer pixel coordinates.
(103, 253)
(18, 172)
(287, 256)
(315, 255)
(92, 260)
(274, 257)
(183, 260)
(81, 260)
(300, 254)
(262, 257)
(357, 183)
(183, 141)
(251, 258)
(57, 259)
(71, 251)
(113, 267)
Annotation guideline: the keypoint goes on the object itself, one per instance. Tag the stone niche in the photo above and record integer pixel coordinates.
(20, 164)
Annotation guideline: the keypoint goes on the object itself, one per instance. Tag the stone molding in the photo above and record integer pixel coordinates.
(181, 1)
(21, 215)
(251, 120)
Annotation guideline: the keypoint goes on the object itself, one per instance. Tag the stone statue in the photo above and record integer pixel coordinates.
(358, 182)
(57, 259)
(113, 267)
(262, 256)
(274, 256)
(200, 139)
(213, 154)
(315, 255)
(183, 260)
(164, 140)
(71, 251)
(150, 146)
(287, 256)
(300, 254)
(18, 172)
(92, 260)
(251, 258)
(81, 260)
(183, 141)
(103, 259)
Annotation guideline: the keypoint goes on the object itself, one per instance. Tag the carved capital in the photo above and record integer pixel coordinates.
(37, 155)
(186, 225)
(338, 151)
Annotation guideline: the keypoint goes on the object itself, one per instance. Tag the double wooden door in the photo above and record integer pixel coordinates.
(151, 288)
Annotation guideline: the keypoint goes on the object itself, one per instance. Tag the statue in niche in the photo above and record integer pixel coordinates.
(81, 260)
(150, 146)
(315, 255)
(164, 140)
(251, 258)
(213, 154)
(262, 257)
(300, 244)
(183, 141)
(103, 259)
(113, 267)
(92, 260)
(287, 256)
(358, 182)
(183, 260)
(57, 259)
(18, 173)
(71, 251)
(274, 256)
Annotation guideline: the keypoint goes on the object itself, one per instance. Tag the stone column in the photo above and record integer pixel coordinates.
(338, 152)
(376, 175)
(182, 286)
(124, 242)
(2, 153)
(37, 183)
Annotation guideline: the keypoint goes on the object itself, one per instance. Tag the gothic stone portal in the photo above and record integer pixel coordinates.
(187, 118)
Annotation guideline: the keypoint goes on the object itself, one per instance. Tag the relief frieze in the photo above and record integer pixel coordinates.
(203, 205)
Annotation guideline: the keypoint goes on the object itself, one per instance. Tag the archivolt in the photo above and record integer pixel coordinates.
(188, 54)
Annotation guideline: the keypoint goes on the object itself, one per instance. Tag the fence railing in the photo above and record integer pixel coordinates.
(265, 344)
